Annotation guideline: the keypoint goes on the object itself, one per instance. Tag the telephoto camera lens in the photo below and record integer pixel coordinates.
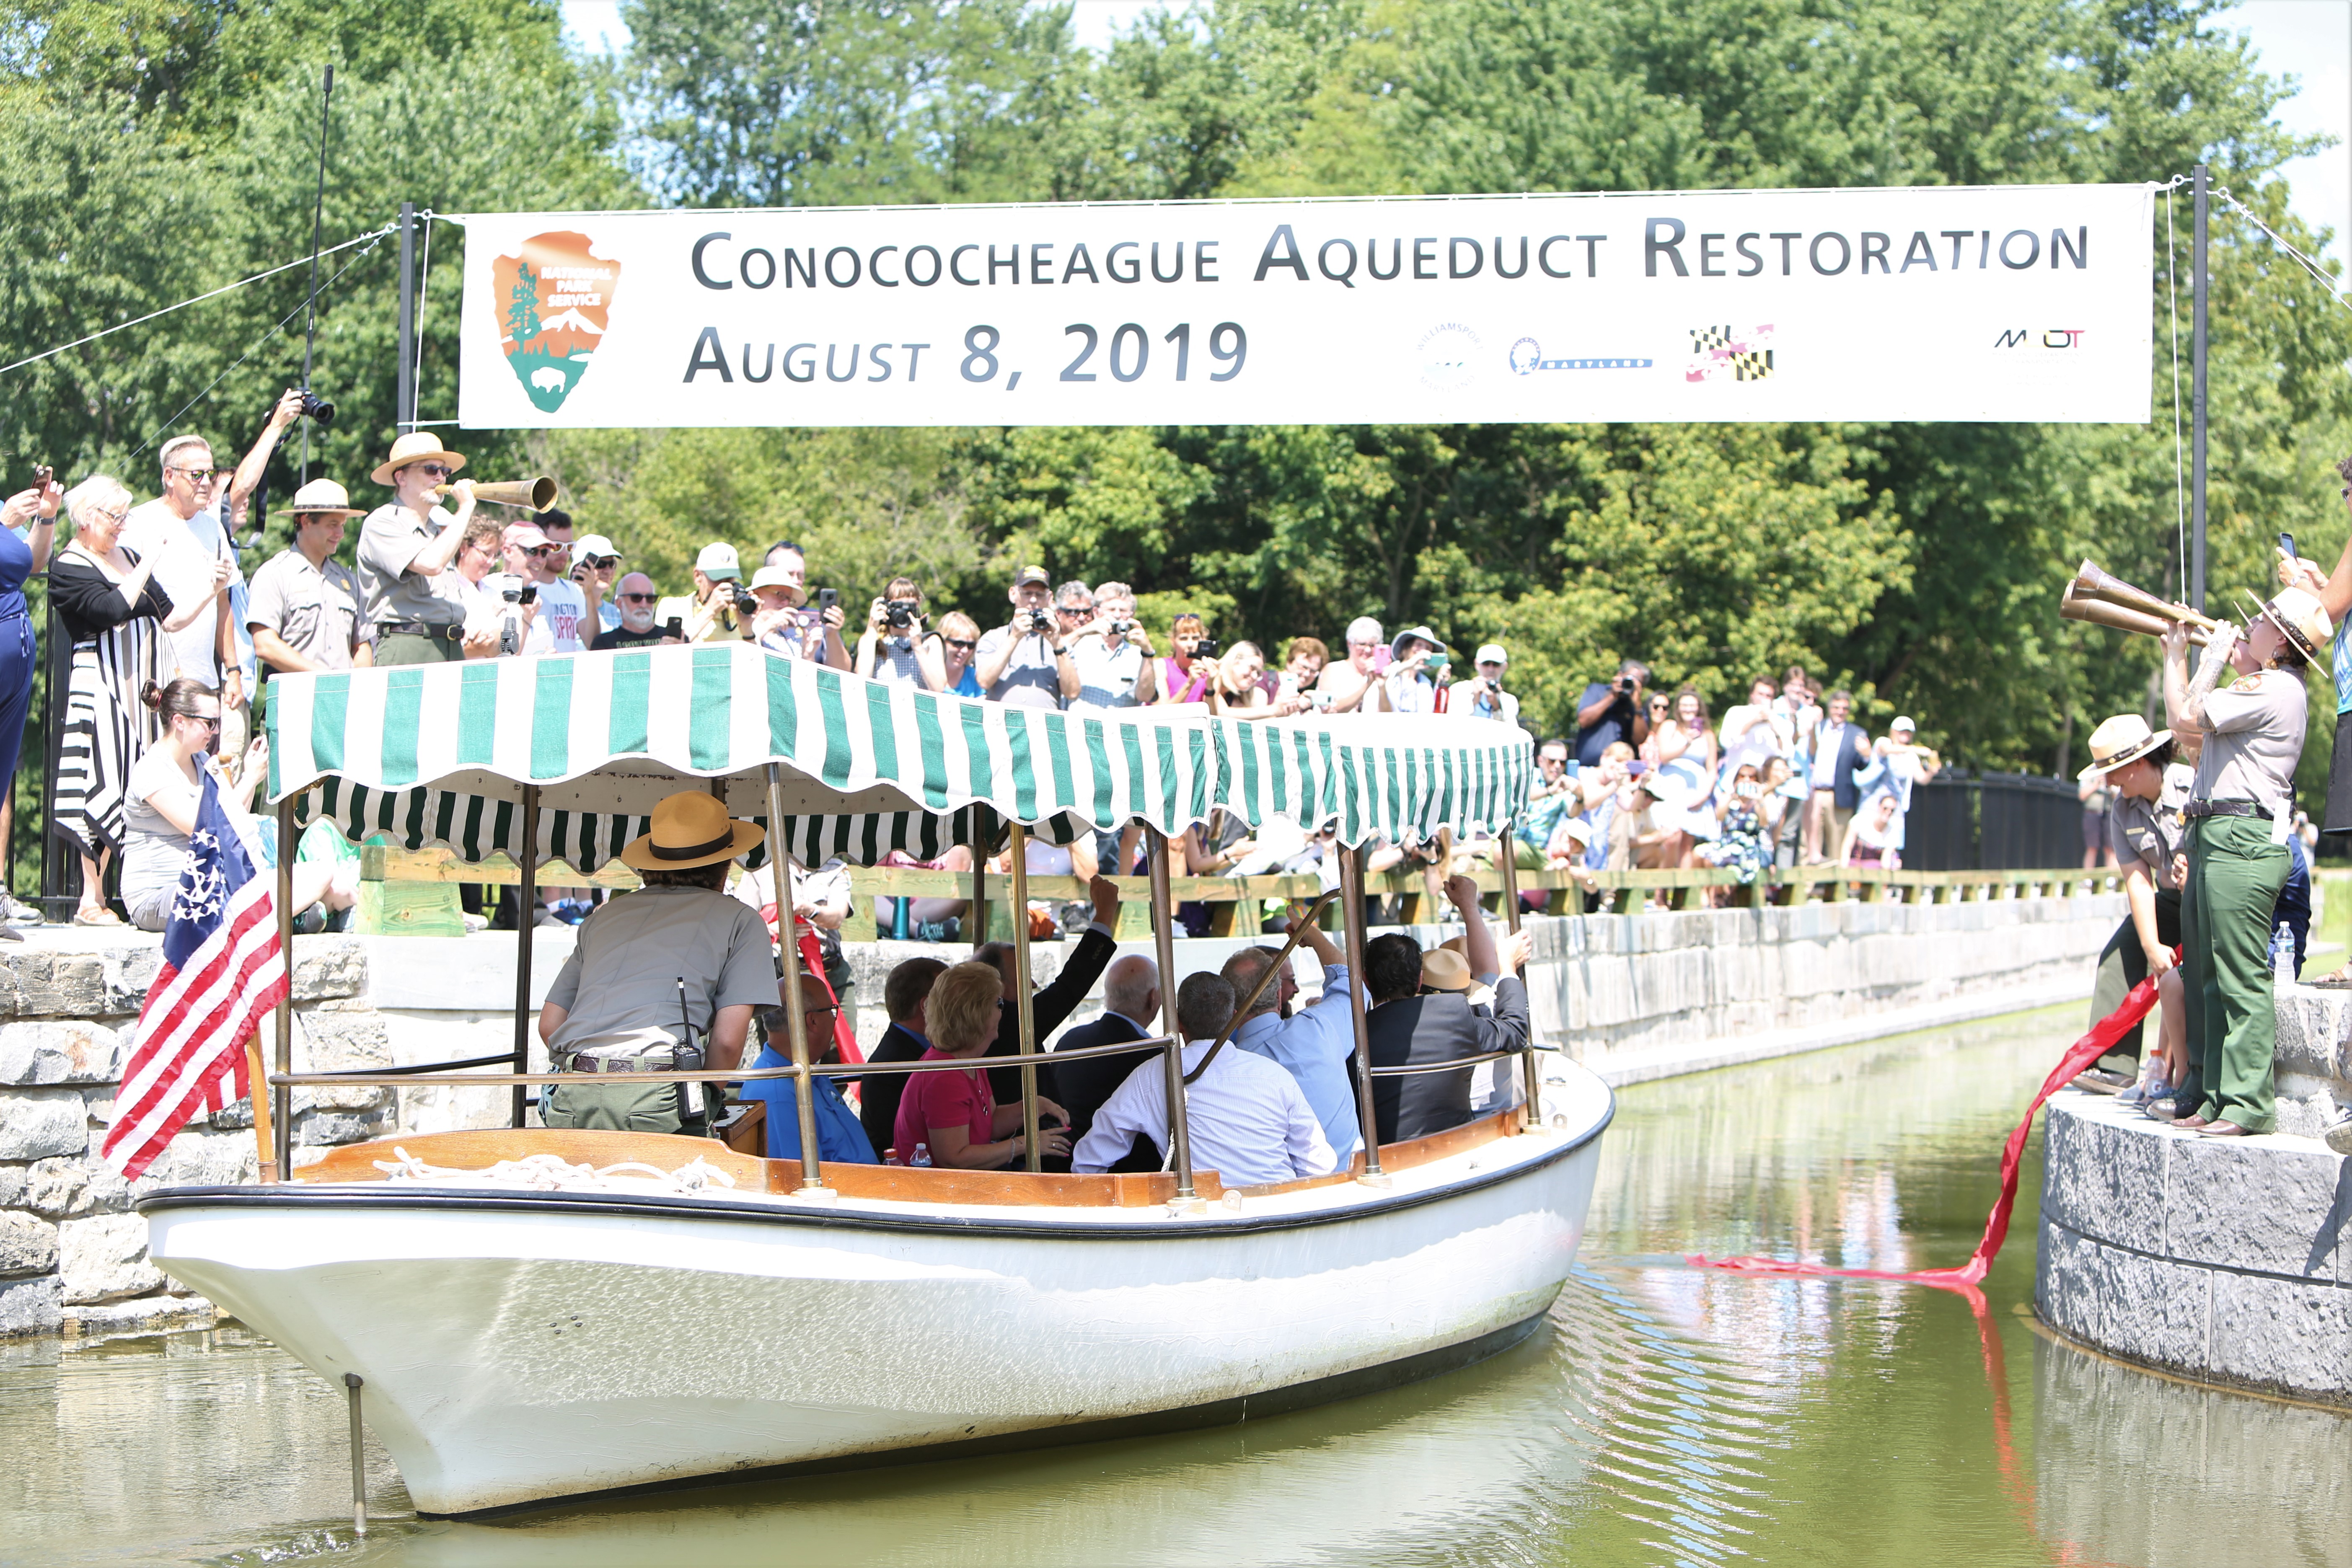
(746, 603)
(319, 409)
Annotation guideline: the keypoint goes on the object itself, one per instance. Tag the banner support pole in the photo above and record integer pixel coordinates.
(404, 409)
(2202, 182)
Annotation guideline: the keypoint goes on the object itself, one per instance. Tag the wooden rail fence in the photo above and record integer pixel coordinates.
(415, 892)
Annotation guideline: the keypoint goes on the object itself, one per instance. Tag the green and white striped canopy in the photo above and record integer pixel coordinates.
(439, 754)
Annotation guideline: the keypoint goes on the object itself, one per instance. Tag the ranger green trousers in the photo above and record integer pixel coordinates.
(2235, 875)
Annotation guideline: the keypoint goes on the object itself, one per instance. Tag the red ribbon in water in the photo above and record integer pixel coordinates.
(2079, 1056)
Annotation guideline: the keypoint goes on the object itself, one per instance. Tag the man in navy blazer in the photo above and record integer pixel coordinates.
(1840, 751)
(1130, 1003)
(905, 995)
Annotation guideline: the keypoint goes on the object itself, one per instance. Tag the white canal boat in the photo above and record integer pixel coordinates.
(704, 1314)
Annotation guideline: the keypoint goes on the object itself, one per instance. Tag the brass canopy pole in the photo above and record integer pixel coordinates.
(1531, 1115)
(525, 910)
(795, 1021)
(983, 835)
(283, 1123)
(1018, 848)
(1351, 911)
(1164, 934)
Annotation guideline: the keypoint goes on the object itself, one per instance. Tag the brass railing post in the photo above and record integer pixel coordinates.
(1352, 913)
(284, 1098)
(526, 912)
(1164, 936)
(1024, 1014)
(1508, 862)
(780, 870)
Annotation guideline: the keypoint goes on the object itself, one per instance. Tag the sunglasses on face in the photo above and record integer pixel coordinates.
(212, 723)
(435, 470)
(197, 476)
(545, 551)
(600, 562)
(637, 597)
(960, 642)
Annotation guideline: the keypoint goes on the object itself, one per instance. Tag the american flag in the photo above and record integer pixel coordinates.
(222, 969)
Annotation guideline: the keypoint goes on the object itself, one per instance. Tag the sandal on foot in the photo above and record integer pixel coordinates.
(96, 917)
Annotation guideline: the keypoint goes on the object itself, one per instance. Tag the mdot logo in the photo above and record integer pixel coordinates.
(1448, 357)
(2050, 337)
(554, 302)
(1526, 358)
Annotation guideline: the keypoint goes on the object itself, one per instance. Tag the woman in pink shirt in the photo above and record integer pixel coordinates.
(955, 1113)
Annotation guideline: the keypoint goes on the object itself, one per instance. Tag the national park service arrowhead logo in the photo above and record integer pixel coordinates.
(554, 301)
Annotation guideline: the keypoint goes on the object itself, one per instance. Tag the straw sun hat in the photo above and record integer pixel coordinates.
(691, 828)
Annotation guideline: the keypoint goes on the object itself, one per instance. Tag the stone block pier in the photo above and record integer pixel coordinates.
(2226, 1260)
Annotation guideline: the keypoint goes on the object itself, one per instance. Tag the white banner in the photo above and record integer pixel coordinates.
(2014, 302)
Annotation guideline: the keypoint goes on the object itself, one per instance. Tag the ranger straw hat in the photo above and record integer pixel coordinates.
(691, 828)
(2120, 741)
(416, 446)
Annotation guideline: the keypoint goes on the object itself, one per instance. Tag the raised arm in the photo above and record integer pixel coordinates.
(1461, 892)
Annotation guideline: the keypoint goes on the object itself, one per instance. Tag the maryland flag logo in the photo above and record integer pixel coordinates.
(1740, 354)
(554, 301)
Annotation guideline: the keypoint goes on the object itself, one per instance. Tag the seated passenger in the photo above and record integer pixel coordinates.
(665, 978)
(954, 1111)
(839, 1138)
(1315, 1044)
(1472, 965)
(1130, 1002)
(1409, 1029)
(1247, 1119)
(1051, 1005)
(904, 995)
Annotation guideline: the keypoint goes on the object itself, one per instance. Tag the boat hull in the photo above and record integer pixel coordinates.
(519, 1350)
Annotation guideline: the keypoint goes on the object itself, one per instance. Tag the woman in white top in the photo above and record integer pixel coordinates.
(161, 798)
(1869, 837)
(1240, 689)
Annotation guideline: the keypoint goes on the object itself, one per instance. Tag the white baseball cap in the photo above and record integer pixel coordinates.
(594, 544)
(1902, 721)
(718, 561)
(1492, 654)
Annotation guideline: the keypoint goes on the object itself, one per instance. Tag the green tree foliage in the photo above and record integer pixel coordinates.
(152, 149)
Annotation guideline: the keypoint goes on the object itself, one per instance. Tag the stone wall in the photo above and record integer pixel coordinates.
(2228, 1261)
(72, 1254)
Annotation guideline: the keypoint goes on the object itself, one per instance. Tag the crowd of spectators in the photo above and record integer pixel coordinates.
(1651, 781)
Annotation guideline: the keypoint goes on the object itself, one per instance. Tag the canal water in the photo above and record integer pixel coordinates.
(1667, 1414)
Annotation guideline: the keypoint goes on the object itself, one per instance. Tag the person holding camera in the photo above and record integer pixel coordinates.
(893, 631)
(1352, 685)
(534, 567)
(1486, 698)
(1113, 654)
(1024, 660)
(781, 624)
(1612, 711)
(1186, 673)
(413, 599)
(595, 561)
(1418, 671)
(710, 610)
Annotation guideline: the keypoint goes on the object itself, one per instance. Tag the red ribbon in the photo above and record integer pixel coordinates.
(2079, 1056)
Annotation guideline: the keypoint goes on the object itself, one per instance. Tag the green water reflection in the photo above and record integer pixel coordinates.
(1667, 1414)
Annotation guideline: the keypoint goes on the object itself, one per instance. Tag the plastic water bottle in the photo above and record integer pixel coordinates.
(890, 1157)
(2282, 956)
(922, 1155)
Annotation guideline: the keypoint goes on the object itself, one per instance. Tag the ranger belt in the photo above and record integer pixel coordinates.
(2225, 809)
(420, 629)
(666, 1059)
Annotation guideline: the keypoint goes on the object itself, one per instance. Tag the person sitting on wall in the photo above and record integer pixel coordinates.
(840, 1139)
(662, 979)
(1246, 1117)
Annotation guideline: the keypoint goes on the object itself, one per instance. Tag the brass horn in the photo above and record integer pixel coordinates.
(537, 493)
(2075, 605)
(2091, 582)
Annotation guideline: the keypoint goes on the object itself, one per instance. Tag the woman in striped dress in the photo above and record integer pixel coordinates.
(111, 612)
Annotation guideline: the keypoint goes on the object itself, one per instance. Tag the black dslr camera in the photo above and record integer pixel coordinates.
(1039, 620)
(1208, 648)
(318, 409)
(746, 601)
(899, 613)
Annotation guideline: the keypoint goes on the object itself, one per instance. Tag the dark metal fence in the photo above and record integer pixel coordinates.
(1992, 821)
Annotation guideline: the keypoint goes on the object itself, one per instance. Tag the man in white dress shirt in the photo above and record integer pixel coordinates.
(1247, 1119)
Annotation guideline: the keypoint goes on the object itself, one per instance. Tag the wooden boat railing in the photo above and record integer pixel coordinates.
(1183, 1181)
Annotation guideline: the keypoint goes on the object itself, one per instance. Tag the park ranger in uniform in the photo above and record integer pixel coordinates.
(663, 980)
(2240, 813)
(2149, 835)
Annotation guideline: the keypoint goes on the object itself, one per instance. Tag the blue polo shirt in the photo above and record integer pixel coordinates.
(838, 1135)
(1315, 1044)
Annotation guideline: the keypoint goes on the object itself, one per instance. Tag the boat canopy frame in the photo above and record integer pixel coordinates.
(565, 755)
